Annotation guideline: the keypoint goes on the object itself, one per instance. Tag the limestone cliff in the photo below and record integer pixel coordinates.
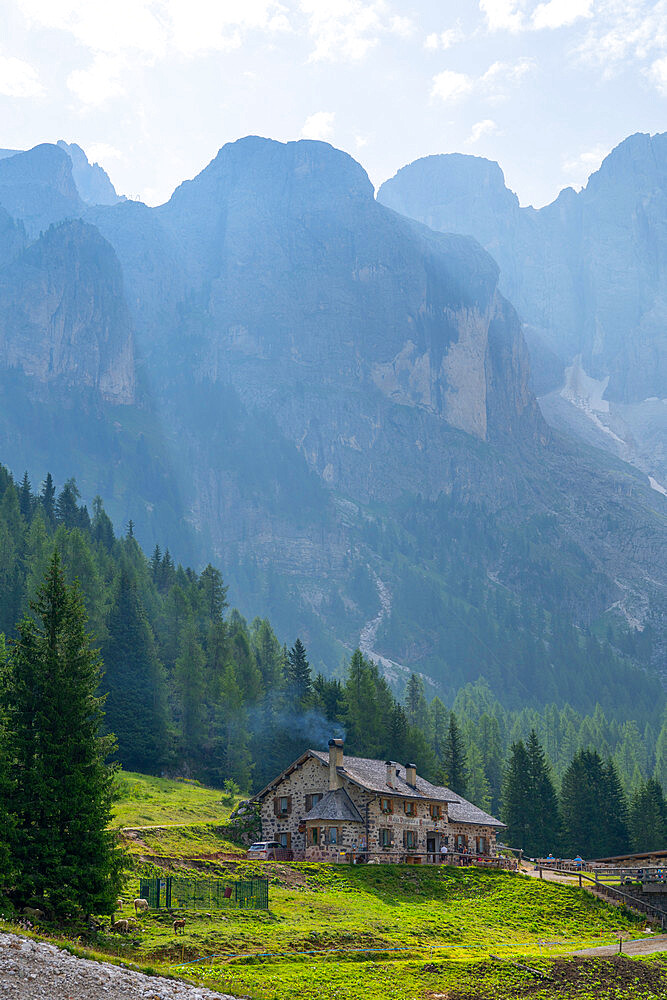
(63, 316)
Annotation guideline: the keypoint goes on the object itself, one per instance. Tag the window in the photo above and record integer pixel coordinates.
(284, 839)
(332, 835)
(314, 835)
(385, 837)
(436, 811)
(410, 808)
(386, 806)
(312, 800)
(282, 805)
(410, 839)
(459, 841)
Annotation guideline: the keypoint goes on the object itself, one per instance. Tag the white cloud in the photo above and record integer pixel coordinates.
(502, 15)
(319, 126)
(658, 73)
(99, 82)
(444, 40)
(18, 78)
(560, 13)
(451, 86)
(152, 27)
(625, 31)
(479, 129)
(349, 29)
(515, 15)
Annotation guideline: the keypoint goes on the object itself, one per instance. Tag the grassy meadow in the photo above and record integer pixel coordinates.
(340, 932)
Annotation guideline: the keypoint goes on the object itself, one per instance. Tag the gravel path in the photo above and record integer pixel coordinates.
(32, 970)
(646, 946)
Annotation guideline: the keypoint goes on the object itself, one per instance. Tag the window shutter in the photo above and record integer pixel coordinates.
(309, 803)
(289, 841)
(289, 804)
(276, 806)
(405, 838)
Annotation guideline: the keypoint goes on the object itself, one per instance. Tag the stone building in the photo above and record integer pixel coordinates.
(326, 806)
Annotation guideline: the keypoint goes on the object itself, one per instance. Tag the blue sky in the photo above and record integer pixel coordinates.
(152, 88)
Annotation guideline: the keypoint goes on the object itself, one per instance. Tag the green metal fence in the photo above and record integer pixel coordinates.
(204, 894)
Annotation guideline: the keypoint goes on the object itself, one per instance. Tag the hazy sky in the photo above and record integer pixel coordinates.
(152, 88)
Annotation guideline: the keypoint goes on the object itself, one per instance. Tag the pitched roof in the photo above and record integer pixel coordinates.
(372, 775)
(462, 811)
(336, 805)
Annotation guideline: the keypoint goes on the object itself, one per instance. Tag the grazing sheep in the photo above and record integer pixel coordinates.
(179, 925)
(121, 926)
(32, 911)
(140, 904)
(119, 903)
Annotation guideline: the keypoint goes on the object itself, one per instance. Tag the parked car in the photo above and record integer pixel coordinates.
(268, 850)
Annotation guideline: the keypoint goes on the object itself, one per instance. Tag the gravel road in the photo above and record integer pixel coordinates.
(32, 970)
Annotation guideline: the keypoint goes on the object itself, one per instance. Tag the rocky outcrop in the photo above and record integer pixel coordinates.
(587, 274)
(38, 188)
(92, 181)
(62, 313)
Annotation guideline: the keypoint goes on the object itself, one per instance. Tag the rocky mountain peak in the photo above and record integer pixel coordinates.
(38, 187)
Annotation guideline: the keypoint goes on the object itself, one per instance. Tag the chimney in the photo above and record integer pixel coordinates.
(411, 775)
(391, 771)
(335, 761)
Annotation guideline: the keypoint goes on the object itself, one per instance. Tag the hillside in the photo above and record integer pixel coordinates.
(352, 932)
(333, 403)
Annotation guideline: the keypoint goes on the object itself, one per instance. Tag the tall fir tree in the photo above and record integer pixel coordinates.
(648, 818)
(26, 499)
(454, 763)
(47, 499)
(61, 793)
(136, 706)
(545, 824)
(593, 808)
(299, 679)
(517, 805)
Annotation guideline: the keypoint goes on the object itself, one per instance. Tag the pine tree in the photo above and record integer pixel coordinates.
(416, 708)
(298, 672)
(67, 510)
(545, 822)
(648, 818)
(47, 498)
(136, 708)
(593, 808)
(454, 768)
(60, 802)
(26, 499)
(517, 805)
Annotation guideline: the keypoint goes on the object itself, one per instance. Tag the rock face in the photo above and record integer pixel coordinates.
(91, 180)
(332, 401)
(587, 274)
(38, 188)
(63, 316)
(293, 261)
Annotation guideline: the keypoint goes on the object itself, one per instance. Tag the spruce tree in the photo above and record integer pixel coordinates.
(545, 823)
(47, 498)
(298, 672)
(26, 499)
(454, 761)
(593, 808)
(61, 793)
(136, 708)
(648, 818)
(517, 805)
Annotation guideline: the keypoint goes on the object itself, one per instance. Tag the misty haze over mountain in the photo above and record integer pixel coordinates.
(336, 403)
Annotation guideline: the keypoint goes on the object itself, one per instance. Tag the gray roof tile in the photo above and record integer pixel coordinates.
(335, 805)
(372, 775)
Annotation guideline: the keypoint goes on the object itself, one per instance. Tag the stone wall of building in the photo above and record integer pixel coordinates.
(312, 778)
(470, 832)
